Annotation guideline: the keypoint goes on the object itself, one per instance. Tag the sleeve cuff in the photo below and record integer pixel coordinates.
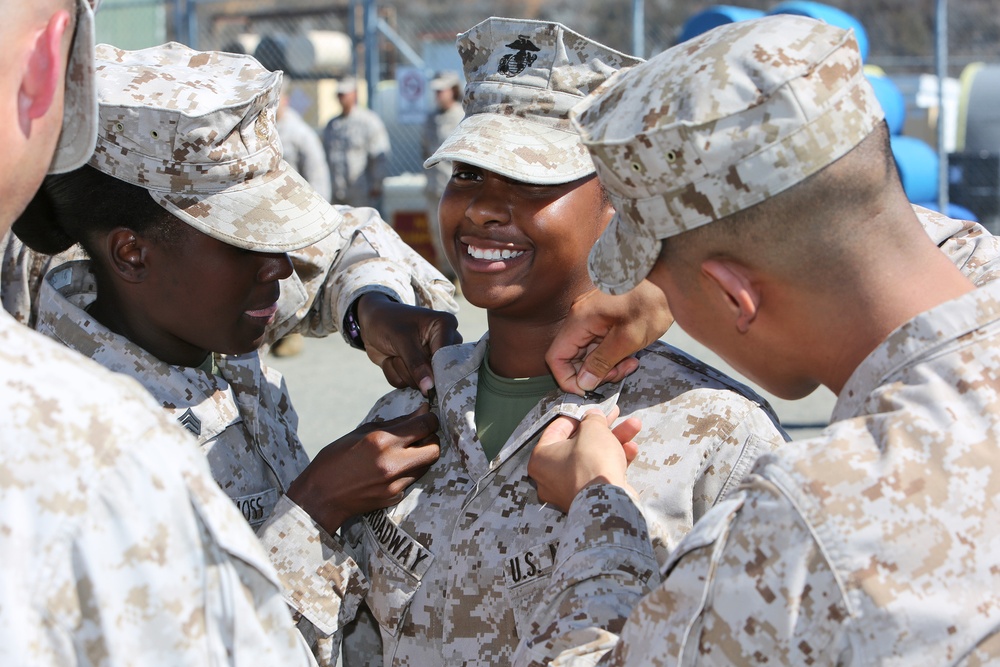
(605, 516)
(320, 580)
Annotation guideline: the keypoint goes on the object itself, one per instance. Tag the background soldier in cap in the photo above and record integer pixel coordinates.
(357, 148)
(457, 567)
(755, 185)
(117, 547)
(303, 150)
(301, 146)
(448, 113)
(188, 237)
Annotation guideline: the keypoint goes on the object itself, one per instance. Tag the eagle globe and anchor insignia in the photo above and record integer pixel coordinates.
(513, 64)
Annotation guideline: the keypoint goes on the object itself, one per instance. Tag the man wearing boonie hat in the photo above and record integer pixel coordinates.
(357, 150)
(440, 123)
(117, 546)
(187, 212)
(457, 567)
(754, 183)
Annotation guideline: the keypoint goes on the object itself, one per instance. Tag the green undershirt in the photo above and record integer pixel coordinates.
(209, 366)
(501, 404)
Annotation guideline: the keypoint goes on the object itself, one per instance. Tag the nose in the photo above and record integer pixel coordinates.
(274, 266)
(490, 203)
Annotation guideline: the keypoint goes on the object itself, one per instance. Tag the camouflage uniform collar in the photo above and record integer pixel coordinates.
(68, 289)
(456, 373)
(926, 335)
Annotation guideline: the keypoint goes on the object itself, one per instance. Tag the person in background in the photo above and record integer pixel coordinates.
(186, 211)
(448, 113)
(456, 568)
(357, 150)
(117, 546)
(755, 184)
(302, 149)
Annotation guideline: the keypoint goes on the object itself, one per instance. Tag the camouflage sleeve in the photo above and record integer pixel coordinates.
(137, 559)
(757, 433)
(969, 245)
(749, 581)
(364, 255)
(694, 449)
(320, 579)
(604, 565)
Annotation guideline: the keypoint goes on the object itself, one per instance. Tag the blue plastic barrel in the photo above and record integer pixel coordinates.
(892, 101)
(827, 14)
(715, 16)
(918, 167)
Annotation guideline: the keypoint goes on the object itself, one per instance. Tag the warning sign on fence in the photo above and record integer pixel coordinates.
(412, 95)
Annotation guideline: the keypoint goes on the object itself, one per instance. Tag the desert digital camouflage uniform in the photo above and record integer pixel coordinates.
(870, 544)
(243, 419)
(969, 245)
(117, 546)
(880, 534)
(363, 255)
(21, 273)
(456, 569)
(357, 151)
(241, 414)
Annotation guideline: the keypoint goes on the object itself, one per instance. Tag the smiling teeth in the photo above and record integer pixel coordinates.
(495, 254)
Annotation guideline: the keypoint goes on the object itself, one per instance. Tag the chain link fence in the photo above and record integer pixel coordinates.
(398, 44)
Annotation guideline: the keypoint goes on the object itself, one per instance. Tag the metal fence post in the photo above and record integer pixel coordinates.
(180, 19)
(371, 48)
(639, 28)
(941, 48)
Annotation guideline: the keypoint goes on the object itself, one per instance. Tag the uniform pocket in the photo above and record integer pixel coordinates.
(527, 575)
(396, 563)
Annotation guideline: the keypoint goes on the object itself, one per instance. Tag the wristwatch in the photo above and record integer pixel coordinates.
(352, 328)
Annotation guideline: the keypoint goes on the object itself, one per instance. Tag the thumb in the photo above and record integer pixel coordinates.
(599, 363)
(562, 428)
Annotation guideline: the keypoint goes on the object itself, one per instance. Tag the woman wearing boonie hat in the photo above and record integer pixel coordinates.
(458, 566)
(188, 214)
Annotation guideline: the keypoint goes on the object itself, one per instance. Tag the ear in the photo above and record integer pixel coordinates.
(45, 74)
(735, 283)
(127, 254)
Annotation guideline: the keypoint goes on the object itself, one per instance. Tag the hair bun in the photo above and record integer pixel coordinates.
(37, 226)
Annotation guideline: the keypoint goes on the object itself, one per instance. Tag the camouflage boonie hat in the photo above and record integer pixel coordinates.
(715, 125)
(79, 126)
(522, 78)
(197, 131)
